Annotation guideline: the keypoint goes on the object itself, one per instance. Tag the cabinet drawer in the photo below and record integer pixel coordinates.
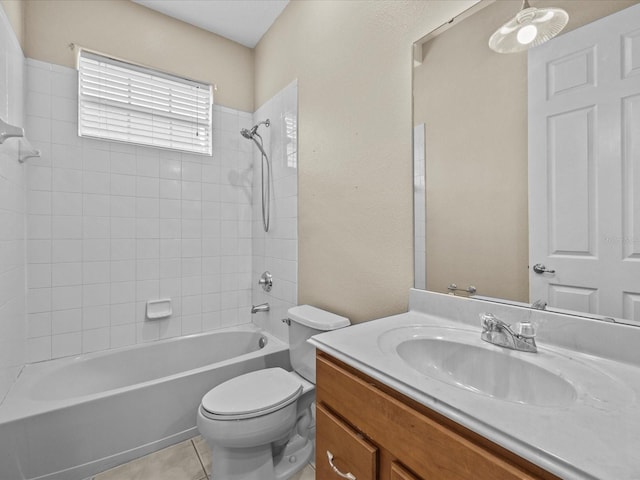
(398, 472)
(431, 447)
(351, 453)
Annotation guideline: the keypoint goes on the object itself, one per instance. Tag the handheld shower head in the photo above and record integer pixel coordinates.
(246, 133)
(252, 134)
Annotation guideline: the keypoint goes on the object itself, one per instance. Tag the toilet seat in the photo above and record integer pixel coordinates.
(252, 395)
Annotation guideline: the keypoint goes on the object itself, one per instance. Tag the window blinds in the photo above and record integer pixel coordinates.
(128, 103)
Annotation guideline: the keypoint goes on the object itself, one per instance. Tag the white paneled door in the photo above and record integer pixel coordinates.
(584, 168)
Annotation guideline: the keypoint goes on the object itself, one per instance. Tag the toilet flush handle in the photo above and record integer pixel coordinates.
(348, 475)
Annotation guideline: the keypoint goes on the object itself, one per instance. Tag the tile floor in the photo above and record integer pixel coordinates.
(188, 460)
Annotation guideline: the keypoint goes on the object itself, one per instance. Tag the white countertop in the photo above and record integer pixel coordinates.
(595, 437)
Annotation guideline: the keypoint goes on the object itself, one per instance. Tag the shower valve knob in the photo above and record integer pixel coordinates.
(266, 281)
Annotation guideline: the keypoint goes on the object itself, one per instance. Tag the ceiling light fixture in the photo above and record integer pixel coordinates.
(529, 28)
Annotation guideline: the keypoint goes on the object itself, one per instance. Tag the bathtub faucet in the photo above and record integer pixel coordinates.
(263, 307)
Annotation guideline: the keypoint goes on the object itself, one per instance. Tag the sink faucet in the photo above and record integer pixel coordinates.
(263, 307)
(500, 333)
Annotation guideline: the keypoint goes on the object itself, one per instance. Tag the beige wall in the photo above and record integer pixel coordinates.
(474, 105)
(15, 13)
(135, 33)
(353, 64)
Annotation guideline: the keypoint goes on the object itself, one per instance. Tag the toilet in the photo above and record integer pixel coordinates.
(261, 425)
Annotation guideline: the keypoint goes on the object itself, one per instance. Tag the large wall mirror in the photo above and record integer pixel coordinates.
(509, 150)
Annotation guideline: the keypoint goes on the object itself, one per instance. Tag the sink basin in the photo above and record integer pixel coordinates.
(458, 357)
(487, 371)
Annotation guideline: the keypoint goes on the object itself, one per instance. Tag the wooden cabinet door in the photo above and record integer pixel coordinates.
(398, 472)
(340, 451)
(422, 440)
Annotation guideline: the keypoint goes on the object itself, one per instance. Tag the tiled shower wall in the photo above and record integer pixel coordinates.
(111, 226)
(276, 251)
(12, 208)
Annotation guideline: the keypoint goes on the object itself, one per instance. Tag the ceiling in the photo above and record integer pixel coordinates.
(243, 21)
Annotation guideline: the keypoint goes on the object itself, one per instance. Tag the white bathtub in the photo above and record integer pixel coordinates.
(68, 419)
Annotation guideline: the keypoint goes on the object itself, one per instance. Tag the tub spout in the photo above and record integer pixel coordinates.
(263, 307)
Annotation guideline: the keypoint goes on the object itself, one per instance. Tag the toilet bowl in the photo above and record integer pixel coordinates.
(260, 425)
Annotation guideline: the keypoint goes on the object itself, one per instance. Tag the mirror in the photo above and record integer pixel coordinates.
(471, 149)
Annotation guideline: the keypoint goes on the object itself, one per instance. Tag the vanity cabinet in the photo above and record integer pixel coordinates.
(375, 432)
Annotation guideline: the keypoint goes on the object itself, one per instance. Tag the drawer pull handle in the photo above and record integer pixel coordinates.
(350, 476)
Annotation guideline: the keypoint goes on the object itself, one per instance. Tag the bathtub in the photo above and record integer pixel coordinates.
(71, 418)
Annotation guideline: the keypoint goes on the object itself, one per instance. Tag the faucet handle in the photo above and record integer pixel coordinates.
(488, 321)
(526, 330)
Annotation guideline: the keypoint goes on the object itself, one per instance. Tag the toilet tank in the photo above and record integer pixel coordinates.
(306, 321)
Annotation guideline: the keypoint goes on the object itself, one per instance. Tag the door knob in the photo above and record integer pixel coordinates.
(540, 269)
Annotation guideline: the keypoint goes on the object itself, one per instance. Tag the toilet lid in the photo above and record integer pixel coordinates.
(252, 394)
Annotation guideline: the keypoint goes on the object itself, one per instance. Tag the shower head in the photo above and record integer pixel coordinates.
(253, 131)
(252, 134)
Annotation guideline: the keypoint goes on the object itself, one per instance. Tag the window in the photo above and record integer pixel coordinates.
(128, 103)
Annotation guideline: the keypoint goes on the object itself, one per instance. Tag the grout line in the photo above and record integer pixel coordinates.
(206, 475)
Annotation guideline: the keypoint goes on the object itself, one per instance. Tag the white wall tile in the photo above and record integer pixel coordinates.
(67, 180)
(96, 250)
(39, 275)
(96, 339)
(38, 177)
(66, 274)
(123, 335)
(64, 108)
(147, 228)
(38, 300)
(121, 162)
(276, 251)
(147, 331)
(38, 324)
(66, 344)
(64, 203)
(39, 226)
(67, 227)
(122, 271)
(96, 316)
(39, 203)
(96, 294)
(39, 251)
(38, 349)
(170, 327)
(123, 249)
(122, 206)
(113, 225)
(191, 324)
(66, 321)
(124, 293)
(147, 187)
(96, 205)
(147, 290)
(147, 207)
(96, 182)
(148, 164)
(66, 298)
(95, 272)
(122, 313)
(123, 185)
(95, 158)
(64, 82)
(170, 168)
